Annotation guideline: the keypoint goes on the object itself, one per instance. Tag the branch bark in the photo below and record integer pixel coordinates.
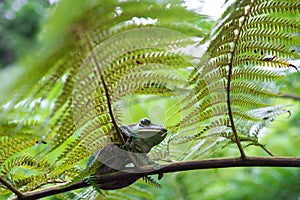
(290, 96)
(173, 167)
(11, 188)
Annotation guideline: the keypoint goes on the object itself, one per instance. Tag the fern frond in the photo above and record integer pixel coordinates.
(247, 40)
(270, 112)
(267, 115)
(12, 145)
(250, 89)
(247, 101)
(151, 181)
(255, 74)
(64, 97)
(25, 171)
(246, 116)
(62, 129)
(25, 160)
(133, 190)
(22, 127)
(30, 182)
(87, 66)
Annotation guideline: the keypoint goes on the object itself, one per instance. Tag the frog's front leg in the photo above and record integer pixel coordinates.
(142, 161)
(146, 162)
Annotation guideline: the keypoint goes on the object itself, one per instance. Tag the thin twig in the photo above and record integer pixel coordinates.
(290, 96)
(261, 146)
(266, 150)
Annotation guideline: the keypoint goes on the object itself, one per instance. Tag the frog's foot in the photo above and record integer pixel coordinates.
(160, 176)
(155, 165)
(168, 160)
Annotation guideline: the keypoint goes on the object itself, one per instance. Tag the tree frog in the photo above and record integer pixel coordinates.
(140, 138)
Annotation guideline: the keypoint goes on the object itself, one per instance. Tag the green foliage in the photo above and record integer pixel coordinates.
(19, 24)
(60, 108)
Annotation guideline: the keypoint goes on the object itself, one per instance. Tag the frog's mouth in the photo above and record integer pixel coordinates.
(161, 132)
(165, 131)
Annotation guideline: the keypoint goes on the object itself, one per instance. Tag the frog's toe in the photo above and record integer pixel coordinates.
(156, 166)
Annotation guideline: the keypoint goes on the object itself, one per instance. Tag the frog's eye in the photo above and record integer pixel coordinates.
(145, 122)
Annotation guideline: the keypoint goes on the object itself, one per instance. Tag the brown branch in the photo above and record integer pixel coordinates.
(173, 167)
(11, 188)
(57, 189)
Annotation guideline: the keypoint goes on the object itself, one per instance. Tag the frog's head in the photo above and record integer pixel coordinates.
(144, 135)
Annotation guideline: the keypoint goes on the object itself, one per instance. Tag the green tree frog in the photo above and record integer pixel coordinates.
(139, 139)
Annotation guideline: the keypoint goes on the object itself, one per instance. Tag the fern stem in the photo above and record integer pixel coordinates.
(290, 96)
(109, 104)
(266, 150)
(12, 188)
(261, 146)
(237, 140)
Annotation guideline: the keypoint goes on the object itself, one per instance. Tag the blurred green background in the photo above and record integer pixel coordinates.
(20, 23)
